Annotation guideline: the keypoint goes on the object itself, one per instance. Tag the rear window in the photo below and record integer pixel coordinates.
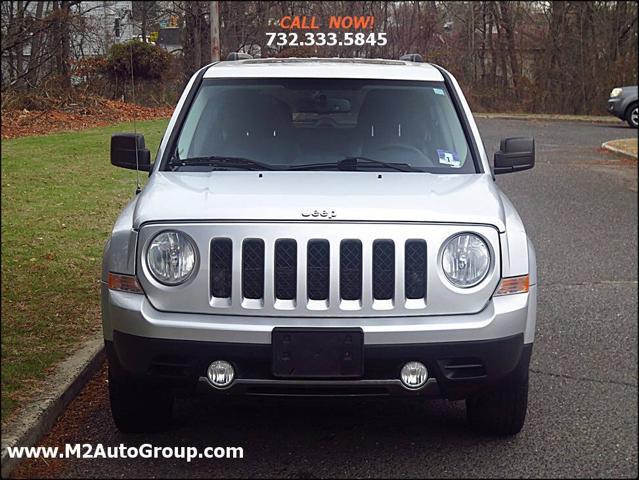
(288, 123)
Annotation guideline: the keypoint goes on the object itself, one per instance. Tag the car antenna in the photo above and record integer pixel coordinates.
(138, 189)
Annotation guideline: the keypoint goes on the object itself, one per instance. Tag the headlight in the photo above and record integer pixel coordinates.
(171, 257)
(615, 92)
(466, 260)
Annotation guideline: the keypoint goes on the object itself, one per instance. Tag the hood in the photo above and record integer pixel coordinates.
(340, 196)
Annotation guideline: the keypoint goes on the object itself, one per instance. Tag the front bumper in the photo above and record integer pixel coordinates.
(502, 317)
(175, 349)
(616, 107)
(456, 369)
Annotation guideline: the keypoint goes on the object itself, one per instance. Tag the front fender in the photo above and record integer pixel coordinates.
(514, 242)
(519, 258)
(118, 257)
(119, 250)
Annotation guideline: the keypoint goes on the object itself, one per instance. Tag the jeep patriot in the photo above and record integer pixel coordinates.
(320, 227)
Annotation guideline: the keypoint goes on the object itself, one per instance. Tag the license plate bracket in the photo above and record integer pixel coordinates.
(318, 353)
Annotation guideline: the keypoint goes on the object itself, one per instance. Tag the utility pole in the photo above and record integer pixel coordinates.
(106, 27)
(214, 17)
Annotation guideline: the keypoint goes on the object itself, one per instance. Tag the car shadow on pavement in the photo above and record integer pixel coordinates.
(290, 423)
(271, 414)
(282, 435)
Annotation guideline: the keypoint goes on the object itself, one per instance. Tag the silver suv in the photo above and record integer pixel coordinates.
(320, 227)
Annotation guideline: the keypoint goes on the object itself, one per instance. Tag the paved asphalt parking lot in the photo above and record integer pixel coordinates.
(579, 205)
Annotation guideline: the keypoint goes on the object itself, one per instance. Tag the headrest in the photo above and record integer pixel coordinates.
(255, 107)
(389, 105)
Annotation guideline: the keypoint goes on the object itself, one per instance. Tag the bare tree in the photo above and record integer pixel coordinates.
(536, 56)
(145, 13)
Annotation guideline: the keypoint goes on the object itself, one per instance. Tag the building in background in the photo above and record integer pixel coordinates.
(93, 27)
(105, 24)
(170, 39)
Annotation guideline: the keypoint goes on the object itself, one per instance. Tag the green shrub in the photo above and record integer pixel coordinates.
(149, 61)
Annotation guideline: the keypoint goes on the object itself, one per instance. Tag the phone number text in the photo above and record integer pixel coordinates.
(331, 39)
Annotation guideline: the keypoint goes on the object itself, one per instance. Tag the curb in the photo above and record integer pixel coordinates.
(544, 117)
(617, 150)
(36, 418)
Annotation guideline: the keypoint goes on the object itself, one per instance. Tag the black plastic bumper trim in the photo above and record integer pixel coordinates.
(180, 363)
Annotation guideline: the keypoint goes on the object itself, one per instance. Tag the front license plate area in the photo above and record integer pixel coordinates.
(318, 353)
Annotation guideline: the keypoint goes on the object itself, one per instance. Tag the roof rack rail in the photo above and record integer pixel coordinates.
(412, 57)
(238, 56)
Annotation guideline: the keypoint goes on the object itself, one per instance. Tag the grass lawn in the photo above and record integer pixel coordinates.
(628, 145)
(60, 197)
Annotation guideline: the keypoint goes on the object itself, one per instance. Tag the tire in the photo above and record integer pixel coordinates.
(137, 407)
(632, 116)
(500, 411)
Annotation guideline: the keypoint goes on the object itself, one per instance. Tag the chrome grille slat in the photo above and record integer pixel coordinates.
(367, 273)
(399, 272)
(268, 273)
(333, 288)
(236, 288)
(302, 288)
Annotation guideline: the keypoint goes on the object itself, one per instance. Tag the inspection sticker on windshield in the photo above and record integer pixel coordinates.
(449, 158)
(438, 91)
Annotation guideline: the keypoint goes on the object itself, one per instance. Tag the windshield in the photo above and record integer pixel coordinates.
(322, 124)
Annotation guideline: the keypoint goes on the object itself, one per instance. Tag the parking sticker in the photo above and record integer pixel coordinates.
(449, 158)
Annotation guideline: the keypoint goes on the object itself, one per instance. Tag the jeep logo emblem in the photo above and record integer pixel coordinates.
(319, 214)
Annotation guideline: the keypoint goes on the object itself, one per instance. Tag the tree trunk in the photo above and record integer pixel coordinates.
(491, 47)
(482, 51)
(501, 50)
(19, 49)
(32, 76)
(143, 26)
(11, 38)
(508, 25)
(554, 81)
(62, 43)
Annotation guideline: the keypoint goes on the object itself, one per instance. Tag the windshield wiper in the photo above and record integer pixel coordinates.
(353, 163)
(224, 162)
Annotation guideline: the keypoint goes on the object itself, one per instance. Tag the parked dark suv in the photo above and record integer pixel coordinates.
(623, 104)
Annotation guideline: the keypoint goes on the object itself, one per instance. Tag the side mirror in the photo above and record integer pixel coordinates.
(514, 155)
(127, 151)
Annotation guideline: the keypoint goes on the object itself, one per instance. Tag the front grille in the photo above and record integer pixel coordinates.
(318, 269)
(383, 269)
(253, 268)
(415, 268)
(285, 269)
(221, 267)
(350, 270)
(381, 274)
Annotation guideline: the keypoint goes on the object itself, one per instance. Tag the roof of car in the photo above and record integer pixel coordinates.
(324, 68)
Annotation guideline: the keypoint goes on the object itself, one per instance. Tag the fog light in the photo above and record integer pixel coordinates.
(220, 373)
(414, 374)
